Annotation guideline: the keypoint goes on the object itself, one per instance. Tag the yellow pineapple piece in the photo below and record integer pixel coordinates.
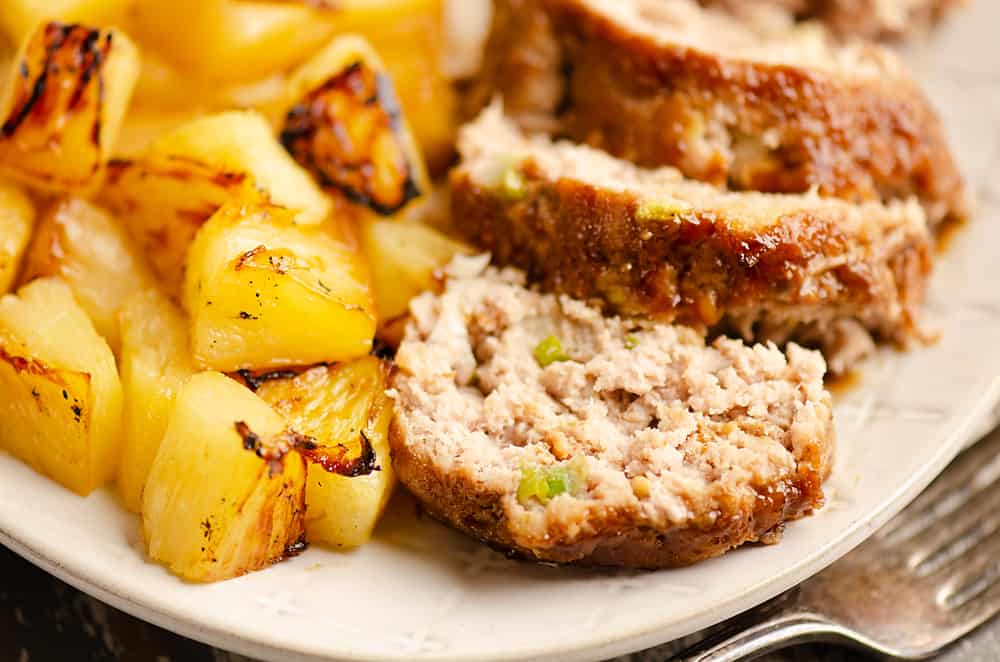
(155, 363)
(17, 218)
(62, 108)
(88, 249)
(163, 200)
(141, 127)
(263, 291)
(231, 40)
(344, 411)
(226, 492)
(60, 398)
(404, 258)
(355, 147)
(183, 177)
(20, 17)
(409, 36)
(242, 142)
(162, 85)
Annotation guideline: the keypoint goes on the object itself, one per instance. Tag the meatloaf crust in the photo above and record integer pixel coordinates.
(648, 242)
(745, 442)
(616, 539)
(753, 111)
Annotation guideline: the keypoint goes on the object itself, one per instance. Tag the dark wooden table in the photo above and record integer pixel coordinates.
(44, 620)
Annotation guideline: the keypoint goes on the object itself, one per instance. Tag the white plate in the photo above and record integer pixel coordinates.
(420, 590)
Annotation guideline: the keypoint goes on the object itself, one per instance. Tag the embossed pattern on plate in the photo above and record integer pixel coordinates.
(422, 591)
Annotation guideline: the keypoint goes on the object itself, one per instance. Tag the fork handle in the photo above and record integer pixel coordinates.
(767, 632)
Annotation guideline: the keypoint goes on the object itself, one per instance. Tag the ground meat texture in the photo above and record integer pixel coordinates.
(778, 267)
(754, 105)
(637, 445)
(874, 19)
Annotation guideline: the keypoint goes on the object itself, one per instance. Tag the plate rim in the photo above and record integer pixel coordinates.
(976, 405)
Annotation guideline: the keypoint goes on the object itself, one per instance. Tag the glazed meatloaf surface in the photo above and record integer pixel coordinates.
(727, 101)
(775, 267)
(873, 19)
(535, 424)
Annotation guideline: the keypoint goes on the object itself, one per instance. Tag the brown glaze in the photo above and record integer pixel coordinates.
(843, 384)
(701, 267)
(620, 537)
(559, 63)
(947, 233)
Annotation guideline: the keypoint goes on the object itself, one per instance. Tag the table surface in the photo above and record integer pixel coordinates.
(44, 620)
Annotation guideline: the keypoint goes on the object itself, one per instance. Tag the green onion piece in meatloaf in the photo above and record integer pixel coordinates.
(512, 185)
(546, 482)
(550, 351)
(658, 209)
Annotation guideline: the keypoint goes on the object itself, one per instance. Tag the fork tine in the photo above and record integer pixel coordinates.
(973, 573)
(974, 613)
(950, 537)
(974, 470)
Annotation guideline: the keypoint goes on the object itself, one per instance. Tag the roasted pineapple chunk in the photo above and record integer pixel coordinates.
(64, 104)
(263, 291)
(242, 142)
(87, 248)
(409, 37)
(163, 85)
(155, 363)
(231, 40)
(60, 398)
(404, 257)
(164, 199)
(17, 218)
(165, 195)
(141, 127)
(20, 17)
(344, 412)
(226, 492)
(346, 128)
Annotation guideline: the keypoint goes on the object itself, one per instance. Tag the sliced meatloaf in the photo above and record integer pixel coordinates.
(650, 242)
(874, 19)
(727, 101)
(534, 423)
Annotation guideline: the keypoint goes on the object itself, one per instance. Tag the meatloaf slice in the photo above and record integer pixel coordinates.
(534, 423)
(727, 101)
(873, 19)
(650, 242)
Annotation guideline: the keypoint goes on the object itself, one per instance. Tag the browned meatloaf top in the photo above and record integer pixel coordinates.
(665, 82)
(636, 445)
(650, 242)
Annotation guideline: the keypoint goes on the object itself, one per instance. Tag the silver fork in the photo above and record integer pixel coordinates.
(927, 578)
